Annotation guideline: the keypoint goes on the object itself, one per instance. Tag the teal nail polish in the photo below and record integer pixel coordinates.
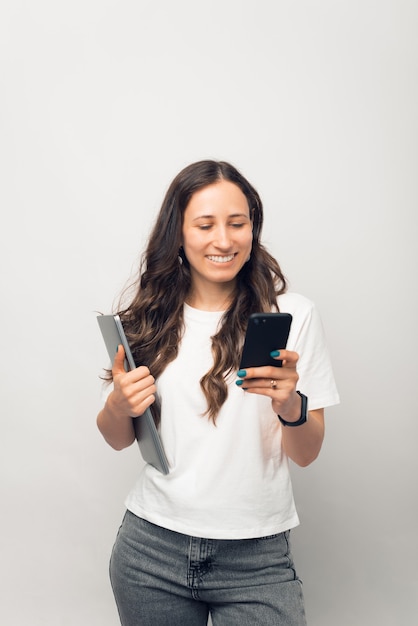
(274, 353)
(242, 373)
(239, 382)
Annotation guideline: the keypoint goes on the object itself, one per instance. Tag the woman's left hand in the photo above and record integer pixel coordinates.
(301, 444)
(278, 383)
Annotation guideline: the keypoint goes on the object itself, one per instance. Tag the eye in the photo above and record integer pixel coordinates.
(238, 224)
(204, 226)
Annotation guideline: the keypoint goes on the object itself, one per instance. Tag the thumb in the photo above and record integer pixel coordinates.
(118, 364)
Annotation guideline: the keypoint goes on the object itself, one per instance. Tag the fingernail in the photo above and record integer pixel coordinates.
(242, 373)
(274, 353)
(239, 382)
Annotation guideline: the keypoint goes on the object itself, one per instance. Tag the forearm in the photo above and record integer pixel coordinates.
(303, 443)
(118, 430)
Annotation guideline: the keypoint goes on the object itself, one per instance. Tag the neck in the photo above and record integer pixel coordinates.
(210, 299)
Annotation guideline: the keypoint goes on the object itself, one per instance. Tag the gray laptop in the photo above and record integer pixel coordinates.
(146, 433)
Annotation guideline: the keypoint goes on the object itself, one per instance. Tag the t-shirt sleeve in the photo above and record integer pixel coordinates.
(307, 338)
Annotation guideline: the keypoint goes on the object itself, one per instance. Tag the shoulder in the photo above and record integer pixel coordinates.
(306, 320)
(295, 303)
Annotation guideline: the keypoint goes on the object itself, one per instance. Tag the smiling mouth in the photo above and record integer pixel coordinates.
(221, 259)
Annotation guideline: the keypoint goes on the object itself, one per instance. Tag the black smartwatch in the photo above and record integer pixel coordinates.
(303, 413)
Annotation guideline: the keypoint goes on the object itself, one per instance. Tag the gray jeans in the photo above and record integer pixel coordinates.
(163, 578)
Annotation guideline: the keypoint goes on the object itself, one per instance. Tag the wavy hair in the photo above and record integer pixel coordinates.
(153, 320)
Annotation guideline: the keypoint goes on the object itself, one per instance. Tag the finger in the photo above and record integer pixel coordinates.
(266, 386)
(262, 385)
(143, 381)
(267, 371)
(289, 358)
(144, 405)
(143, 393)
(119, 362)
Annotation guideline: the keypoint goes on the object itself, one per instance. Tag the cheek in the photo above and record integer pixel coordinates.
(191, 241)
(249, 239)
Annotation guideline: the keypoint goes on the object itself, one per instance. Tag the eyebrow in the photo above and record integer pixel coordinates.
(211, 217)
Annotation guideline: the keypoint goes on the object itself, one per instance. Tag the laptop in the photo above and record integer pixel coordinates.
(146, 433)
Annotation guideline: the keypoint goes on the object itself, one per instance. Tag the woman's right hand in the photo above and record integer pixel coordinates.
(133, 392)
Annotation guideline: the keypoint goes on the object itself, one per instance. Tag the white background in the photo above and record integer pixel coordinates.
(102, 103)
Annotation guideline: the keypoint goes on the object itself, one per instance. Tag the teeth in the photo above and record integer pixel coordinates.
(221, 259)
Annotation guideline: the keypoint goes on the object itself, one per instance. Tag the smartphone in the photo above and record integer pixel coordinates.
(265, 332)
(146, 433)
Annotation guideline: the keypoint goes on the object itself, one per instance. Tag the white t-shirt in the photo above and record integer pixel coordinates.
(230, 480)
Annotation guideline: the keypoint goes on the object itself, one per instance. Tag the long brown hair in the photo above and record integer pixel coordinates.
(153, 320)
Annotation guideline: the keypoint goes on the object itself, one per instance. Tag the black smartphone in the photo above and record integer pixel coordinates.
(265, 332)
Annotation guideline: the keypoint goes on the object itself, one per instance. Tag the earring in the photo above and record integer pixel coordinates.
(180, 260)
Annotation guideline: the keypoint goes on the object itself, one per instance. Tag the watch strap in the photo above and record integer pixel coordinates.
(303, 413)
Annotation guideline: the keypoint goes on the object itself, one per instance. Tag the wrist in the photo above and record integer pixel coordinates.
(300, 416)
(113, 409)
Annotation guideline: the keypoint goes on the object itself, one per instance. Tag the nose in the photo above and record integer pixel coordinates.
(222, 239)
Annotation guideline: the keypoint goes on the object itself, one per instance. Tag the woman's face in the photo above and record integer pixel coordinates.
(217, 234)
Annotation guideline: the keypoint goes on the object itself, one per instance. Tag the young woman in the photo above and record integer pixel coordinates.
(212, 536)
